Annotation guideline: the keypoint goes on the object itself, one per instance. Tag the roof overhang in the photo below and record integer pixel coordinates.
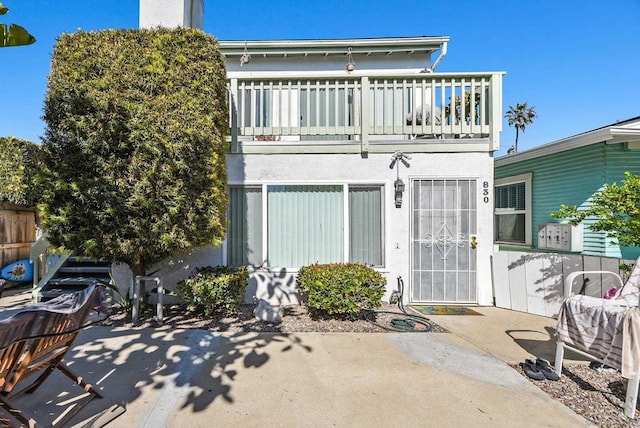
(329, 47)
(628, 133)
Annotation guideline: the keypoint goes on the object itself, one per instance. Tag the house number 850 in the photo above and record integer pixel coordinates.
(485, 192)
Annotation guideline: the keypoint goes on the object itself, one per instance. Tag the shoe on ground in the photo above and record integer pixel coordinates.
(545, 368)
(531, 369)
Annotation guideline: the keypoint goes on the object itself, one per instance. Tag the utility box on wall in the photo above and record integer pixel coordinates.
(557, 236)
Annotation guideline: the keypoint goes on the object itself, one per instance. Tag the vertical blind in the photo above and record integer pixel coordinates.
(365, 225)
(305, 225)
(245, 226)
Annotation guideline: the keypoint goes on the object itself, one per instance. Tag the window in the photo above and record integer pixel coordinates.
(305, 224)
(245, 226)
(513, 209)
(365, 225)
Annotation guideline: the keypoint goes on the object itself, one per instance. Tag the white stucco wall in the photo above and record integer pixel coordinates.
(171, 13)
(277, 284)
(340, 168)
(172, 270)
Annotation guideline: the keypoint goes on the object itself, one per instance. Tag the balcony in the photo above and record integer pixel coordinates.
(331, 112)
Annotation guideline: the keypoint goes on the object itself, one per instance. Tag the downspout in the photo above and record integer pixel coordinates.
(443, 53)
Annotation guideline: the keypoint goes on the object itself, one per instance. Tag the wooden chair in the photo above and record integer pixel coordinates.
(604, 330)
(35, 340)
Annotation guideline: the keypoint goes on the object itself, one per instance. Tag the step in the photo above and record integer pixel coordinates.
(74, 261)
(84, 269)
(58, 286)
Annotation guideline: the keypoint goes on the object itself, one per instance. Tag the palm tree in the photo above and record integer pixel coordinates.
(520, 116)
(15, 35)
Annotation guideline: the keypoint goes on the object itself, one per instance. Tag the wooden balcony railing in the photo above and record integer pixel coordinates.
(298, 107)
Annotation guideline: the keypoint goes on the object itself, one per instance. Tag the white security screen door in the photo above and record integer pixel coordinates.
(443, 241)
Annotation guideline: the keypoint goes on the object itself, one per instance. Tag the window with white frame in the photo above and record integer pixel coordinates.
(513, 210)
(297, 225)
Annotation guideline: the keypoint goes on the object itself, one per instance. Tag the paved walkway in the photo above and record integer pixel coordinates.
(194, 378)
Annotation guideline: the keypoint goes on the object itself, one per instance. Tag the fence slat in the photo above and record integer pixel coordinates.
(17, 233)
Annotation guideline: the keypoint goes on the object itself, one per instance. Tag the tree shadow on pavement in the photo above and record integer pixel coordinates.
(156, 371)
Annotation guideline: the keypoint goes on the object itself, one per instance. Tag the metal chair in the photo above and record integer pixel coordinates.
(604, 330)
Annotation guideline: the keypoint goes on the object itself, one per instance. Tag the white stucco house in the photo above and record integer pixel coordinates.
(354, 150)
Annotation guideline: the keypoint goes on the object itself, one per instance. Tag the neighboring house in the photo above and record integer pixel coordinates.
(350, 150)
(531, 184)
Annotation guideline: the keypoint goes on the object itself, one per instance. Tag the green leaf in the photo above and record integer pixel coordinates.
(19, 164)
(16, 36)
(340, 288)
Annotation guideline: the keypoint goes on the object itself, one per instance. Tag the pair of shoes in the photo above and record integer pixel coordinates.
(545, 368)
(531, 370)
(539, 370)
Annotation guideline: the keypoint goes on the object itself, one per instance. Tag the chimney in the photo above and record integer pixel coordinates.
(172, 13)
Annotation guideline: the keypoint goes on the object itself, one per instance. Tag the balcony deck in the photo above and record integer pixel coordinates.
(333, 112)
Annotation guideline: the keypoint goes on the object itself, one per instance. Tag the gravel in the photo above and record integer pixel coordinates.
(296, 319)
(594, 393)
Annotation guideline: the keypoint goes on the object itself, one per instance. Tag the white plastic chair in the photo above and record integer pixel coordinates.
(604, 330)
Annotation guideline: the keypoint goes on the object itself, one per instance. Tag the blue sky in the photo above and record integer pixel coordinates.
(577, 62)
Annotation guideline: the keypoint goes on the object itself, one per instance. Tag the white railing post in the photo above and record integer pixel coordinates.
(45, 265)
(233, 107)
(364, 115)
(134, 292)
(495, 120)
(36, 251)
(135, 297)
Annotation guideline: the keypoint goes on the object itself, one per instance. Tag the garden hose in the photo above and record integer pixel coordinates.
(406, 323)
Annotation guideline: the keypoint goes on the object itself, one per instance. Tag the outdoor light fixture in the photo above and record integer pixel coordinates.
(350, 64)
(398, 185)
(246, 57)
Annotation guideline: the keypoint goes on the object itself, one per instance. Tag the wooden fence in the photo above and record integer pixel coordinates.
(17, 233)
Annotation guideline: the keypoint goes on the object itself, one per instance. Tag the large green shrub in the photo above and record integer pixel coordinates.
(135, 144)
(212, 289)
(19, 163)
(340, 288)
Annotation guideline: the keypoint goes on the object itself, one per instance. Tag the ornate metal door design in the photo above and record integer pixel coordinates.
(443, 241)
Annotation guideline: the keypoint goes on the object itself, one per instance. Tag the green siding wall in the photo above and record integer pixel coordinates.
(620, 159)
(571, 177)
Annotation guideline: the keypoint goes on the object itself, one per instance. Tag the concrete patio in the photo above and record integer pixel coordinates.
(169, 377)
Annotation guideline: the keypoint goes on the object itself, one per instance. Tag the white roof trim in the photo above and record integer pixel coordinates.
(407, 45)
(610, 135)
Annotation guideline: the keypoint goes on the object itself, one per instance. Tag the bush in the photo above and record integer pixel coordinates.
(134, 164)
(341, 288)
(210, 289)
(19, 163)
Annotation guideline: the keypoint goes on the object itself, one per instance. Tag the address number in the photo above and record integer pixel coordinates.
(485, 192)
